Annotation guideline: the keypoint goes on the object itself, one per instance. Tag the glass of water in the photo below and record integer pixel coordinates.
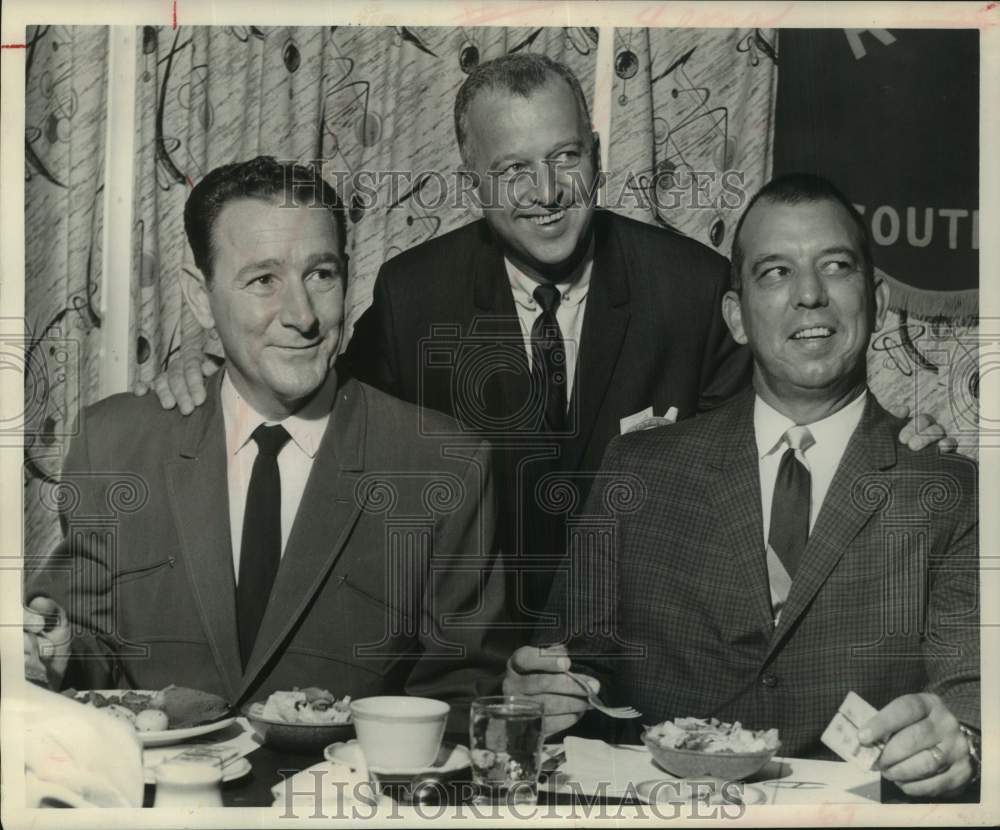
(505, 741)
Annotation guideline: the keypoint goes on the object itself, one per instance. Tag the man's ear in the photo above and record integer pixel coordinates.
(881, 301)
(194, 288)
(732, 313)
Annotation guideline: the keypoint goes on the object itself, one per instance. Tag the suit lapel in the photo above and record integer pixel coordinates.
(734, 491)
(326, 516)
(605, 323)
(199, 499)
(844, 513)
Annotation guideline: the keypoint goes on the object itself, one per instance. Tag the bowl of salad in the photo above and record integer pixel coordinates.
(302, 720)
(709, 748)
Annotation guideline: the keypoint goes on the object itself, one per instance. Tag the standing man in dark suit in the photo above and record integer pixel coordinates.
(547, 323)
(769, 557)
(297, 530)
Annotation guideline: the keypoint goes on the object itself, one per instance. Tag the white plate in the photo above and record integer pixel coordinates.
(230, 772)
(176, 736)
(164, 737)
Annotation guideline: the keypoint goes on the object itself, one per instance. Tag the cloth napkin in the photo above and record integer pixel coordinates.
(331, 788)
(75, 755)
(597, 766)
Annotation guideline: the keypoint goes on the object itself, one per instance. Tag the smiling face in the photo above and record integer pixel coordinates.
(807, 308)
(276, 299)
(536, 166)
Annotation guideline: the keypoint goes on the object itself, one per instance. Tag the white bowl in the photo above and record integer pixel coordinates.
(398, 732)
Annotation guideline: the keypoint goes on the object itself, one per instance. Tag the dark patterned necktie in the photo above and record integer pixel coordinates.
(548, 358)
(789, 530)
(260, 549)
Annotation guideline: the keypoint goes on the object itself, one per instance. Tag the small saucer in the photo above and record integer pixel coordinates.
(230, 772)
(451, 759)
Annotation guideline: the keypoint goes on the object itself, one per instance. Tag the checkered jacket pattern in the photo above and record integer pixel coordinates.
(666, 595)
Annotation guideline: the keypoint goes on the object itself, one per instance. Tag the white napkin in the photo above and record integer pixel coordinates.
(75, 755)
(599, 767)
(331, 788)
(238, 746)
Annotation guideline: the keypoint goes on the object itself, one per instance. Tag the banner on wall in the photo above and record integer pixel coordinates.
(892, 117)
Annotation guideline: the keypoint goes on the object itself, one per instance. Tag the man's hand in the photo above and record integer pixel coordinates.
(541, 673)
(183, 382)
(923, 431)
(925, 753)
(46, 641)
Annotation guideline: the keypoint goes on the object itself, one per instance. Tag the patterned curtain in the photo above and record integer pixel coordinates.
(65, 115)
(366, 101)
(691, 126)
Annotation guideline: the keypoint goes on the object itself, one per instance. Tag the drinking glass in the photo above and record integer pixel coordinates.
(505, 742)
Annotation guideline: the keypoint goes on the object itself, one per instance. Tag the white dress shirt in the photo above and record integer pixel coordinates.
(306, 428)
(831, 436)
(572, 305)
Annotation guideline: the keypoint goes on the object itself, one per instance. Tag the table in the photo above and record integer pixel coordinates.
(269, 767)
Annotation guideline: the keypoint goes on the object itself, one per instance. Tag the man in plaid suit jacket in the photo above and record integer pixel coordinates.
(677, 602)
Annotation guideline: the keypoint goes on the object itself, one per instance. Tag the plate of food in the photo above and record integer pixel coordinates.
(301, 720)
(709, 748)
(163, 717)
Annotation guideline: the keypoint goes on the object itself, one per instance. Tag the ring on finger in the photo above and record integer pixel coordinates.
(939, 759)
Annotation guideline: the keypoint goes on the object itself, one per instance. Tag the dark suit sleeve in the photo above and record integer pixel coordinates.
(370, 355)
(465, 645)
(584, 596)
(952, 646)
(726, 365)
(78, 573)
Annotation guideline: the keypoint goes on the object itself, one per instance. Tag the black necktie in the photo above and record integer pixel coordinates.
(260, 549)
(548, 358)
(789, 530)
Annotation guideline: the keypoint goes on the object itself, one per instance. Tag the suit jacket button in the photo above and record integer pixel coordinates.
(768, 679)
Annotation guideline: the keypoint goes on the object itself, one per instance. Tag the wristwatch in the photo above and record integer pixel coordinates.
(974, 742)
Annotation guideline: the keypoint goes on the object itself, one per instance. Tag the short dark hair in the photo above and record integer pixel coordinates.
(797, 189)
(517, 74)
(261, 178)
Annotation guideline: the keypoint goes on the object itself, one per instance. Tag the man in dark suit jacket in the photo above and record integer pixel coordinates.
(452, 320)
(384, 579)
(759, 562)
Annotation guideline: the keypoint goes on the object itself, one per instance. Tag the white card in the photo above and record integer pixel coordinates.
(842, 734)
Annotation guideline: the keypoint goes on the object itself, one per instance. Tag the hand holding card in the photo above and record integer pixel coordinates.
(914, 741)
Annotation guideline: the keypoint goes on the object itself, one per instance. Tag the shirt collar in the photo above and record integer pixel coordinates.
(573, 289)
(770, 425)
(305, 427)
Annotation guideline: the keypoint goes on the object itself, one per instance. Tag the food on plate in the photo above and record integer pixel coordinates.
(711, 735)
(151, 720)
(310, 705)
(174, 707)
(120, 713)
